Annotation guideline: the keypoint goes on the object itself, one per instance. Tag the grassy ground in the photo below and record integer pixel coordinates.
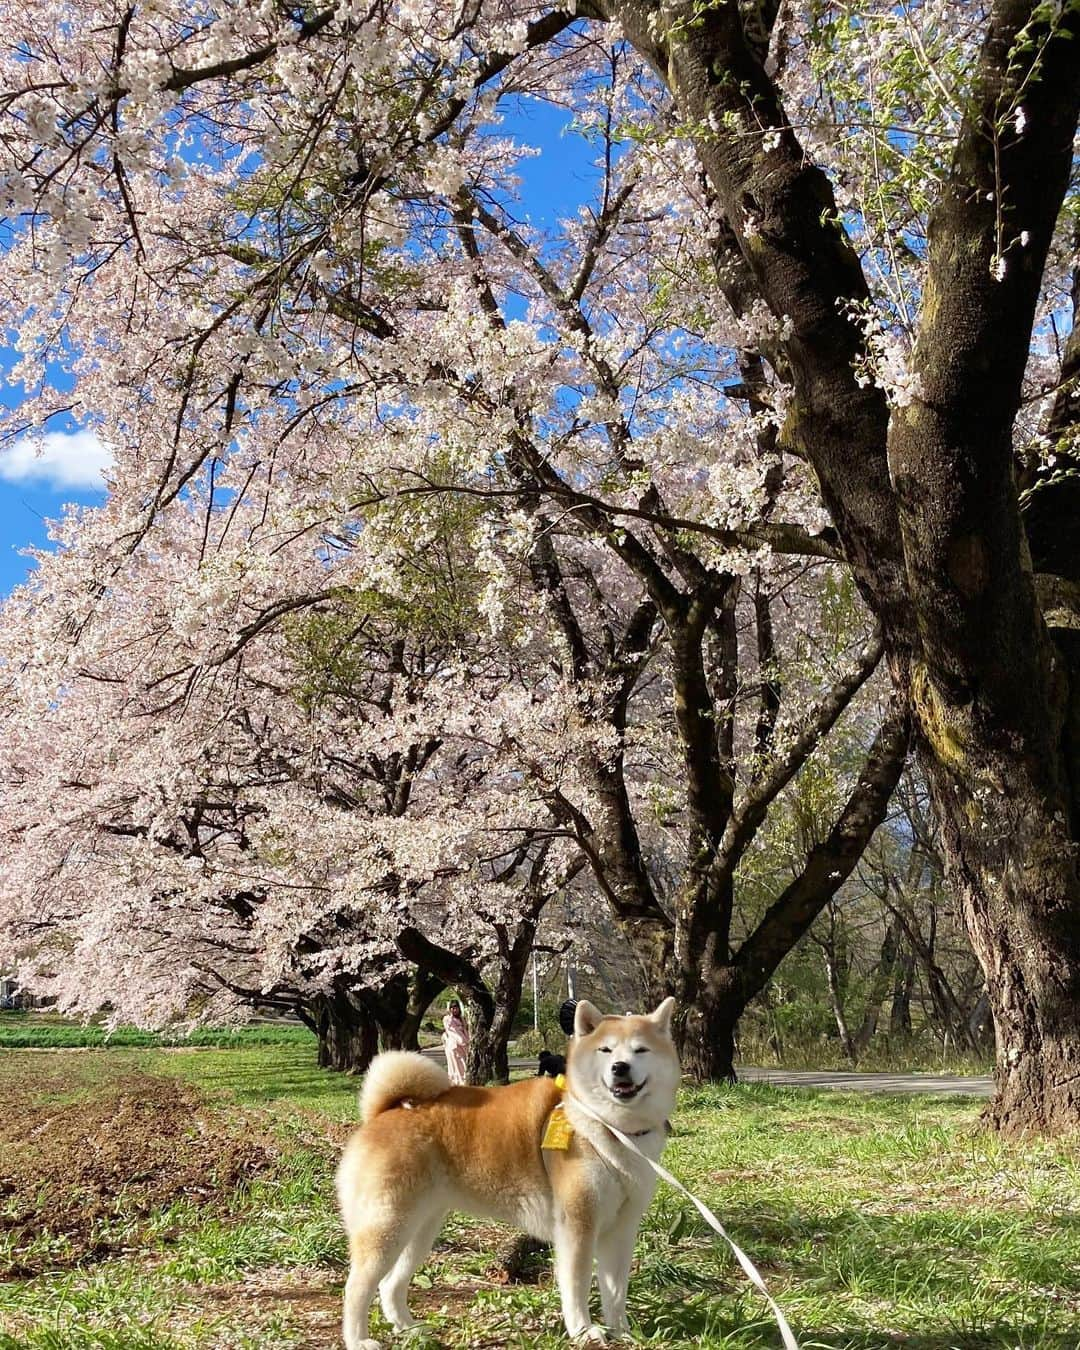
(919, 1054)
(876, 1222)
(45, 1031)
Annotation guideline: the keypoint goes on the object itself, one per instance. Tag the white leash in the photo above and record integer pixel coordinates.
(752, 1273)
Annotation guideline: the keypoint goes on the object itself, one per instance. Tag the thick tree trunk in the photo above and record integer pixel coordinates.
(953, 585)
(400, 1010)
(491, 1015)
(424, 988)
(989, 692)
(709, 1003)
(1021, 895)
(705, 1033)
(489, 1057)
(348, 1035)
(488, 1060)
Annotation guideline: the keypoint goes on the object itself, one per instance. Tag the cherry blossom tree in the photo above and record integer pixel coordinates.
(472, 416)
(279, 258)
(319, 817)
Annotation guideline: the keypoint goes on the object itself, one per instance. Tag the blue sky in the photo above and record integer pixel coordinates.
(34, 489)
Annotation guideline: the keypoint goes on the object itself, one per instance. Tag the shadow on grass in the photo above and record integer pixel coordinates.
(998, 1338)
(943, 1279)
(290, 1076)
(696, 1319)
(885, 1254)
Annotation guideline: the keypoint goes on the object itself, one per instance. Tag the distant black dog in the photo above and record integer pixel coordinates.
(551, 1065)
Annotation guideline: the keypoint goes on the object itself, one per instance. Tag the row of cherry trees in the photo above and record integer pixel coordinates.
(450, 561)
(372, 793)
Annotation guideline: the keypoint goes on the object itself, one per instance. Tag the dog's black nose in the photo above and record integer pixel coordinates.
(620, 1069)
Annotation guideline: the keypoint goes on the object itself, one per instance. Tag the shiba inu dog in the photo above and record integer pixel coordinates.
(528, 1154)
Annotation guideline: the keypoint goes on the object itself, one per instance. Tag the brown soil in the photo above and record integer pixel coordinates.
(78, 1179)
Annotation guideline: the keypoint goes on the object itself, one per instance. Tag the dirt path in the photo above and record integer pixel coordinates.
(79, 1178)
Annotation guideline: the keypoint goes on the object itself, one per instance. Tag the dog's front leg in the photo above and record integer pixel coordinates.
(575, 1240)
(614, 1257)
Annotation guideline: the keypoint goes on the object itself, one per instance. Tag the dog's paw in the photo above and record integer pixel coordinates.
(594, 1335)
(367, 1345)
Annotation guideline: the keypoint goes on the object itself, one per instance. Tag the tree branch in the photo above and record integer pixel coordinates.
(831, 862)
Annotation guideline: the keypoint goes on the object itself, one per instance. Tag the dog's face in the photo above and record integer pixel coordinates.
(626, 1063)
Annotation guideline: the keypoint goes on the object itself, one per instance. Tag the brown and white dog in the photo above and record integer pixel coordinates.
(426, 1148)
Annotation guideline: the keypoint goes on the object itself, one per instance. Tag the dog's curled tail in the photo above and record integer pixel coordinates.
(397, 1076)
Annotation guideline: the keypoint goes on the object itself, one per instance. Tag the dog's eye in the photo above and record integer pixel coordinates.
(603, 1049)
(641, 1049)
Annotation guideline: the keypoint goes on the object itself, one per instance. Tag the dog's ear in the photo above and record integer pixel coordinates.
(586, 1018)
(662, 1016)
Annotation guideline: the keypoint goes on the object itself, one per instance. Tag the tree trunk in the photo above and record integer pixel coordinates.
(399, 1017)
(705, 1035)
(348, 1035)
(712, 985)
(1020, 896)
(989, 690)
(1016, 878)
(953, 586)
(489, 1060)
(900, 1012)
(878, 988)
(489, 1057)
(709, 1002)
(834, 979)
(491, 1017)
(424, 988)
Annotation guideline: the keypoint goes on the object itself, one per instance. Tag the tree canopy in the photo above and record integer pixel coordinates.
(512, 511)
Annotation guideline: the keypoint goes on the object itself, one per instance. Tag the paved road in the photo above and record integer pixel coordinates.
(938, 1084)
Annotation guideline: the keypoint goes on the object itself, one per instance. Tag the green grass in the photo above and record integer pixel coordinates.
(875, 1221)
(920, 1053)
(26, 1031)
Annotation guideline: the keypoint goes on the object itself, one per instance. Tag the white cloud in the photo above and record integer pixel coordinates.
(58, 459)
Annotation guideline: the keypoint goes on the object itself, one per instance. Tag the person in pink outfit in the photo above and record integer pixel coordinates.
(455, 1043)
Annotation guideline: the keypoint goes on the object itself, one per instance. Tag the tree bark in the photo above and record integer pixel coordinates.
(705, 1028)
(491, 1013)
(399, 1008)
(989, 694)
(348, 1034)
(879, 987)
(488, 1059)
(953, 585)
(900, 1011)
